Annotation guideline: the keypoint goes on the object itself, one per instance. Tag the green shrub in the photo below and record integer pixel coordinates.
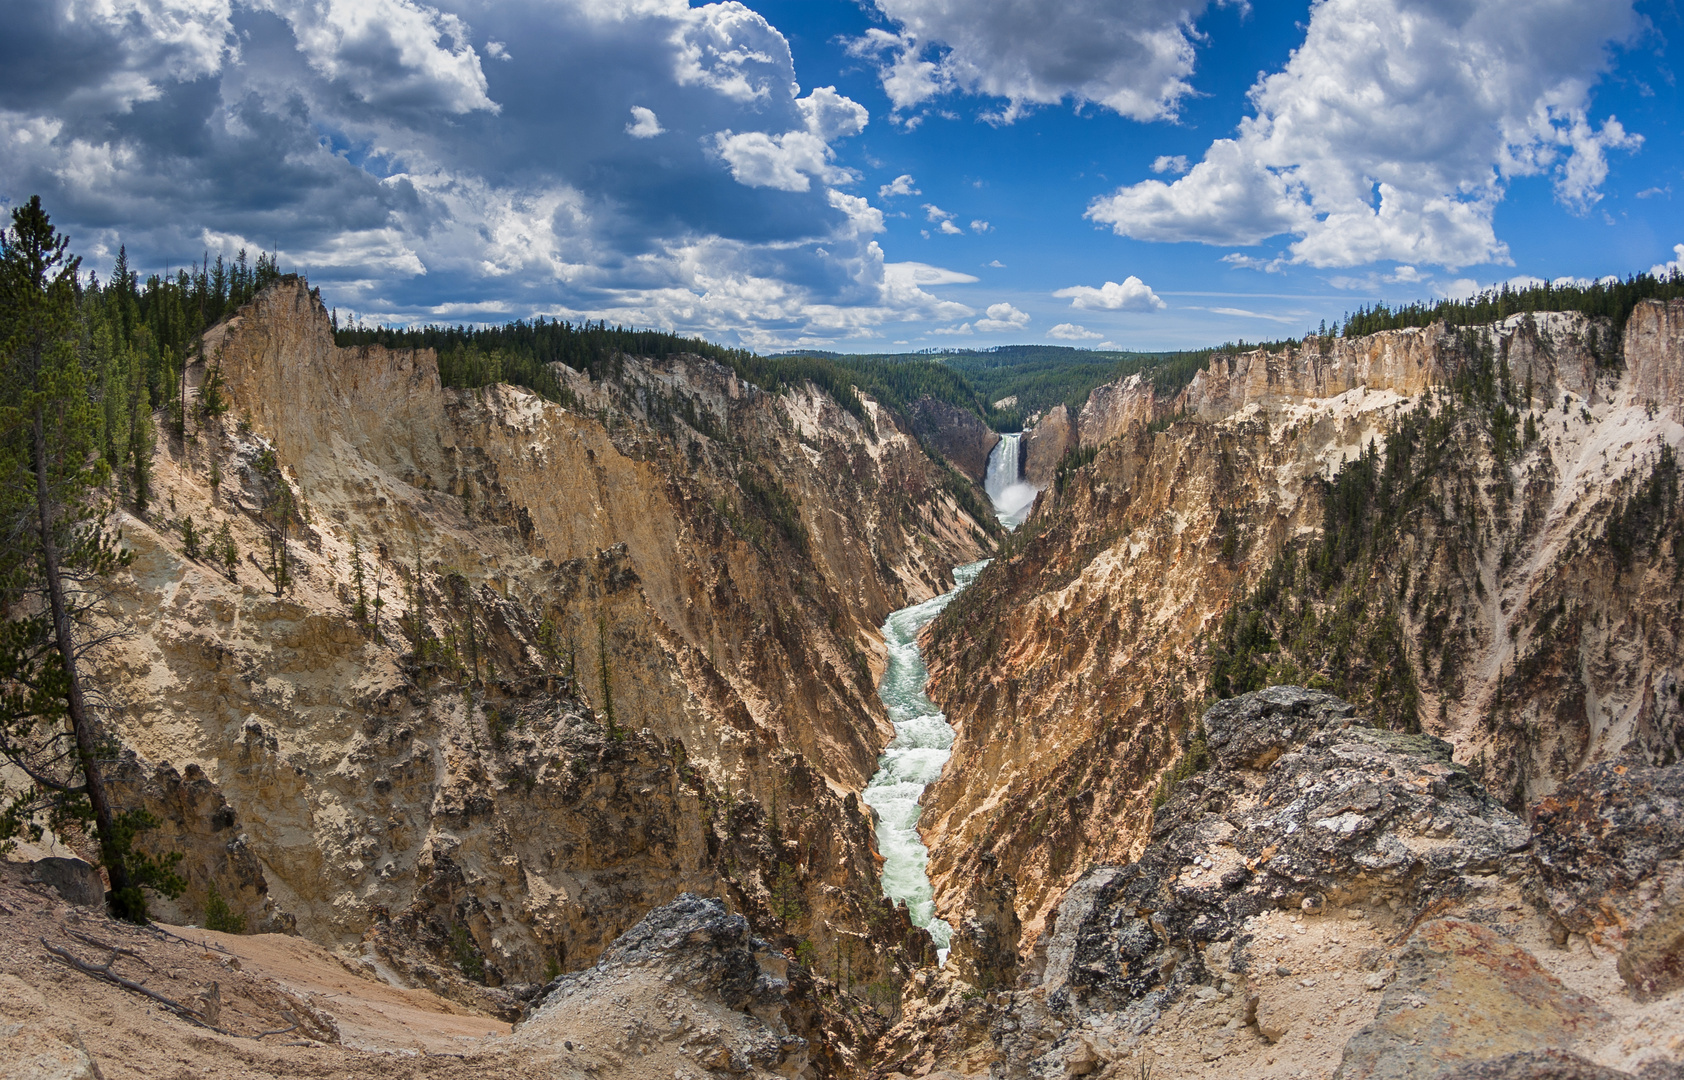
(219, 916)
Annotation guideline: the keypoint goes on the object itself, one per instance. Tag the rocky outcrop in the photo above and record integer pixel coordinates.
(985, 940)
(1322, 898)
(194, 818)
(1304, 806)
(1610, 857)
(1045, 445)
(688, 987)
(958, 435)
(1654, 339)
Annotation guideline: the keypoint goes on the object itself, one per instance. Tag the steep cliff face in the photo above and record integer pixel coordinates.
(1468, 531)
(961, 437)
(1045, 444)
(488, 678)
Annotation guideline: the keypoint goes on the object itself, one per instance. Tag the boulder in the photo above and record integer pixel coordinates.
(77, 881)
(688, 985)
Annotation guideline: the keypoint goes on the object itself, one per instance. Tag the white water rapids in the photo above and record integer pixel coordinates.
(923, 739)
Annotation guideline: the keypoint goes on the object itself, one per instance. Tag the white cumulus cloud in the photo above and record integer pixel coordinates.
(792, 160)
(1164, 163)
(1065, 331)
(1676, 266)
(1131, 294)
(787, 162)
(643, 124)
(900, 185)
(1002, 317)
(832, 116)
(942, 219)
(1393, 131)
(1133, 58)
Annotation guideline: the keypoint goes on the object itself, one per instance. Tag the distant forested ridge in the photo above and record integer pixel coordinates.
(1609, 298)
(1040, 377)
(520, 352)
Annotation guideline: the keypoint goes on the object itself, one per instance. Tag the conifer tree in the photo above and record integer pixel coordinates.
(55, 549)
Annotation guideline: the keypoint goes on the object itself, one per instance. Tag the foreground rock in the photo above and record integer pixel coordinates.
(686, 990)
(1304, 808)
(1328, 899)
(1611, 859)
(1463, 995)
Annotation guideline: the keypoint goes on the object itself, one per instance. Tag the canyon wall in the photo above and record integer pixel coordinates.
(1472, 532)
(957, 434)
(1044, 446)
(533, 669)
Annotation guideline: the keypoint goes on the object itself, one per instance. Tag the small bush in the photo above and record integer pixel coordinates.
(219, 916)
(467, 954)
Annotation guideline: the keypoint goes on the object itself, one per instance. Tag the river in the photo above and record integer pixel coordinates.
(923, 739)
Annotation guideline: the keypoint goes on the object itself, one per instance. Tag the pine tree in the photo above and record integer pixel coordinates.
(224, 549)
(359, 610)
(55, 549)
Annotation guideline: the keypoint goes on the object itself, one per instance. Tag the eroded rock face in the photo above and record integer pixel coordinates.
(1304, 806)
(985, 941)
(1610, 858)
(960, 436)
(1044, 445)
(1535, 642)
(194, 818)
(535, 668)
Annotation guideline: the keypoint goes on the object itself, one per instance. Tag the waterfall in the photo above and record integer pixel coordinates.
(1012, 498)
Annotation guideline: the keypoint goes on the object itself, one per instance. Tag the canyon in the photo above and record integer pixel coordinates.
(565, 713)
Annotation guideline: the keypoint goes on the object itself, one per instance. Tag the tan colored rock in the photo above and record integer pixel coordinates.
(649, 657)
(1464, 995)
(1072, 672)
(1045, 444)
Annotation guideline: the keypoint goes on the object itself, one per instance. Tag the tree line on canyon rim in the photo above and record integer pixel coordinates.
(91, 373)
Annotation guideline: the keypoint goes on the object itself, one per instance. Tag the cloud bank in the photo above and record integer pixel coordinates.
(639, 160)
(1133, 59)
(1394, 130)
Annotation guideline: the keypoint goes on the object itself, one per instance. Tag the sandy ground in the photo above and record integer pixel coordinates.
(325, 1021)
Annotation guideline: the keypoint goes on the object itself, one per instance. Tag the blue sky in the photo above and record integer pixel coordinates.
(861, 174)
